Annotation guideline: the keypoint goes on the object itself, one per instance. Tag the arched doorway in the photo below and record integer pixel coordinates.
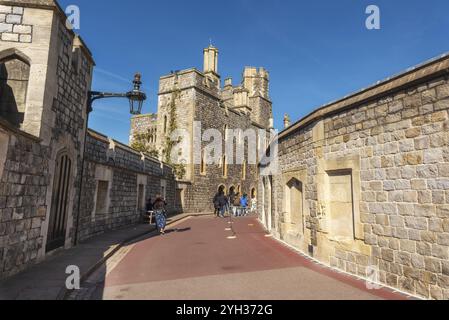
(253, 193)
(59, 205)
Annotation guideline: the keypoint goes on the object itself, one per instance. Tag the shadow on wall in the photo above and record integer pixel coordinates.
(14, 75)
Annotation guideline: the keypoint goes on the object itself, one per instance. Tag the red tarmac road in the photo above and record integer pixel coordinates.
(199, 262)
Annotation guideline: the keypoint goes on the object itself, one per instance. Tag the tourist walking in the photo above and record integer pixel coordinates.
(253, 205)
(216, 205)
(159, 210)
(221, 203)
(236, 205)
(244, 204)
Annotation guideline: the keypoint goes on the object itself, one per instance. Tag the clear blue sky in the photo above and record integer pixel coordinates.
(316, 51)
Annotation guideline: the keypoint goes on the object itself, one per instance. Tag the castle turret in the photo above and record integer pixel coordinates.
(256, 82)
(211, 60)
(287, 121)
(211, 64)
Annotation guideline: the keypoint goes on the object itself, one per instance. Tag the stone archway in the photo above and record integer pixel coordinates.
(253, 193)
(221, 188)
(14, 78)
(60, 204)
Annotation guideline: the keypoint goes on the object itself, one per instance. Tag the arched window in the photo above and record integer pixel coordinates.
(165, 124)
(225, 129)
(253, 193)
(203, 166)
(14, 77)
(224, 167)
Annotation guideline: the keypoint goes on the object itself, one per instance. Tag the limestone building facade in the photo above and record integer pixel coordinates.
(45, 76)
(364, 183)
(193, 101)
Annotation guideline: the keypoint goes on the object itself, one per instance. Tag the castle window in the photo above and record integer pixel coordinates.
(203, 166)
(225, 167)
(294, 200)
(141, 197)
(102, 202)
(341, 204)
(165, 124)
(244, 170)
(225, 133)
(14, 77)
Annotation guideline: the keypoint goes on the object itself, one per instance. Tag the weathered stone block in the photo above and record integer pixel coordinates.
(5, 9)
(417, 261)
(443, 211)
(402, 258)
(443, 281)
(443, 91)
(388, 255)
(441, 252)
(408, 245)
(5, 27)
(422, 289)
(443, 239)
(22, 29)
(424, 249)
(442, 104)
(17, 10)
(428, 236)
(433, 156)
(25, 38)
(14, 18)
(445, 267)
(423, 210)
(412, 273)
(10, 37)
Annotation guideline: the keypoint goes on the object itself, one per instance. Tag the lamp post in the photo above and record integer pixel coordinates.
(136, 97)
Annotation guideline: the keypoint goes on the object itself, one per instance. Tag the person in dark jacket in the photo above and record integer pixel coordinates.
(216, 205)
(221, 202)
(149, 205)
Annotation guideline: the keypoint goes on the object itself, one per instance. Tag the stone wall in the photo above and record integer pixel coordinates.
(392, 214)
(124, 169)
(144, 124)
(54, 115)
(205, 186)
(196, 98)
(46, 150)
(24, 177)
(12, 27)
(199, 102)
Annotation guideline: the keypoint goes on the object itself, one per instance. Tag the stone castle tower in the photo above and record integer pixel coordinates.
(190, 97)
